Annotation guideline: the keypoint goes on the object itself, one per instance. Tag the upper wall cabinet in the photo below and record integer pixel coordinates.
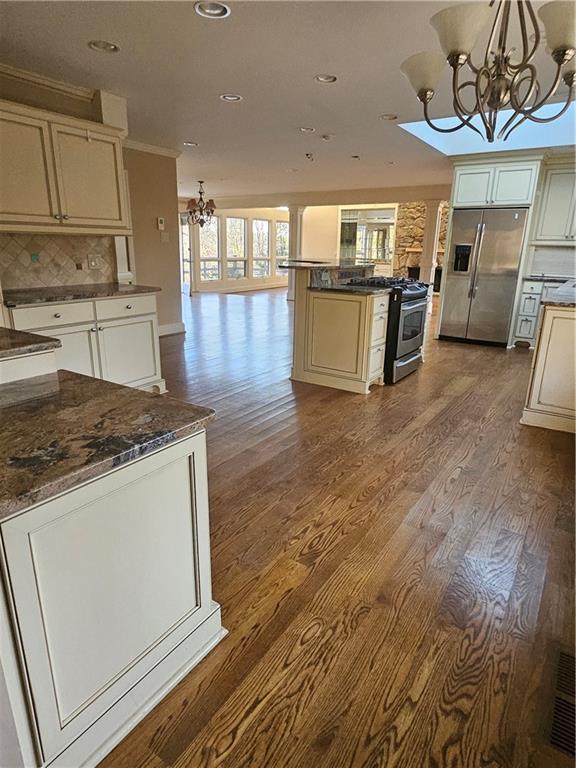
(498, 184)
(556, 222)
(60, 174)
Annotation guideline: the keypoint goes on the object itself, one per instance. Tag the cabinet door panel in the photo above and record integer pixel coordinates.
(337, 335)
(90, 177)
(106, 581)
(28, 188)
(514, 185)
(79, 351)
(553, 377)
(472, 186)
(556, 211)
(129, 350)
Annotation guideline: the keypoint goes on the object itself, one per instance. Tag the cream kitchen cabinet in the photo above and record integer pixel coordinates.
(495, 184)
(346, 337)
(108, 588)
(556, 221)
(114, 338)
(551, 392)
(60, 174)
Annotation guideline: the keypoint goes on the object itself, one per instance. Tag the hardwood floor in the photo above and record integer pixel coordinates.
(396, 570)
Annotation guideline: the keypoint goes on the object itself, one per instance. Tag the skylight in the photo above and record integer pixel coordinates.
(529, 135)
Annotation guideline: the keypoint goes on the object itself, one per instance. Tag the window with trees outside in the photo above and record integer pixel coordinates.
(282, 243)
(260, 248)
(235, 248)
(210, 250)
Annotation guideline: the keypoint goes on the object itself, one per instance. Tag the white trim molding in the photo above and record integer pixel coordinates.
(76, 91)
(168, 329)
(151, 148)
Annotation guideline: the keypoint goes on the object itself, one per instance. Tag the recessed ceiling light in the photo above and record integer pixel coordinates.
(230, 97)
(212, 10)
(388, 116)
(307, 130)
(190, 143)
(327, 136)
(355, 157)
(103, 46)
(325, 78)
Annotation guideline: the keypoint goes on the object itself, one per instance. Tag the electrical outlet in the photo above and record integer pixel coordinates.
(35, 258)
(94, 262)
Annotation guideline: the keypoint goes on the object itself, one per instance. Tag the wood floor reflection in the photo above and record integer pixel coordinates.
(395, 570)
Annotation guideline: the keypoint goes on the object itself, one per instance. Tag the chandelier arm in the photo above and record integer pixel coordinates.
(524, 35)
(492, 37)
(534, 21)
(461, 107)
(463, 122)
(516, 114)
(503, 32)
(515, 83)
(530, 116)
(553, 88)
(480, 101)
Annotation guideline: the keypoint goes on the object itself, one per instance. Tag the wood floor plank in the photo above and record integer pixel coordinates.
(395, 570)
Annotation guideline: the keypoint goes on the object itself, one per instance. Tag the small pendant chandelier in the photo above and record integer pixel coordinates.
(506, 78)
(199, 211)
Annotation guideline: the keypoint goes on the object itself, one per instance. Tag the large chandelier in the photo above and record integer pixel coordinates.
(506, 78)
(199, 210)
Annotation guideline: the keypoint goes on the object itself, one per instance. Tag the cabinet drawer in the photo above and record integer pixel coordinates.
(379, 326)
(125, 307)
(376, 361)
(532, 287)
(529, 304)
(51, 315)
(526, 327)
(381, 304)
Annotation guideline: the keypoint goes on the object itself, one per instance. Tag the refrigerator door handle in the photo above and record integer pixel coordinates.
(478, 250)
(474, 260)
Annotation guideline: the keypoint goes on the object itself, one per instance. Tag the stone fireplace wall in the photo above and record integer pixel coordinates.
(410, 223)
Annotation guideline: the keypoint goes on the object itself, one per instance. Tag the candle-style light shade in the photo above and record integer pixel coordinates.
(559, 19)
(459, 26)
(192, 203)
(424, 70)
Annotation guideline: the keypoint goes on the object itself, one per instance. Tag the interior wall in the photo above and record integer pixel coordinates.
(153, 193)
(320, 236)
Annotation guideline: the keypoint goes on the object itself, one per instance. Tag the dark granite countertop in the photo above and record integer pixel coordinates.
(544, 279)
(364, 289)
(564, 296)
(14, 297)
(62, 429)
(16, 343)
(311, 264)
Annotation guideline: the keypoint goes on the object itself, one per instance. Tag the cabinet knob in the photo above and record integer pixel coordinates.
(57, 314)
(128, 306)
(57, 217)
(65, 216)
(100, 328)
(93, 330)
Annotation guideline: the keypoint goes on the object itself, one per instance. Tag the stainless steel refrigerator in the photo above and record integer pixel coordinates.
(482, 272)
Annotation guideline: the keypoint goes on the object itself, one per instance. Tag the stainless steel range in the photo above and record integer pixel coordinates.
(406, 323)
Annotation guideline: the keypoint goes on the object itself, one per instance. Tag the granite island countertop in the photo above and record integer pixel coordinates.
(564, 296)
(366, 290)
(311, 264)
(14, 297)
(73, 428)
(16, 343)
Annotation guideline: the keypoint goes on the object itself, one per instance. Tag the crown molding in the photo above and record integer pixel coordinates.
(151, 148)
(48, 83)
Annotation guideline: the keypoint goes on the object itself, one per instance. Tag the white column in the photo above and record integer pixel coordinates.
(295, 243)
(430, 244)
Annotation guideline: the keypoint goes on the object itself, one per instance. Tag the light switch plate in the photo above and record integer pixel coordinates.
(161, 223)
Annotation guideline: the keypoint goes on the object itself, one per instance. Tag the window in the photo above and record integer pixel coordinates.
(185, 254)
(235, 248)
(282, 242)
(209, 251)
(260, 248)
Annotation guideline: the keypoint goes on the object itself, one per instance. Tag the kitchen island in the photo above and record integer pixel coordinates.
(550, 402)
(339, 330)
(105, 559)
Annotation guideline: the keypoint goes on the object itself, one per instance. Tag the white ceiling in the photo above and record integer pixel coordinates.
(173, 64)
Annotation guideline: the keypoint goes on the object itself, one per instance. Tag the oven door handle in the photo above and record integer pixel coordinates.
(408, 360)
(416, 304)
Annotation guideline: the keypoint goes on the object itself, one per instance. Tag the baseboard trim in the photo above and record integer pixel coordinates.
(531, 418)
(171, 328)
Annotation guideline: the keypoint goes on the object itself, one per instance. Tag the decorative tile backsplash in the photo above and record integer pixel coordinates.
(34, 261)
